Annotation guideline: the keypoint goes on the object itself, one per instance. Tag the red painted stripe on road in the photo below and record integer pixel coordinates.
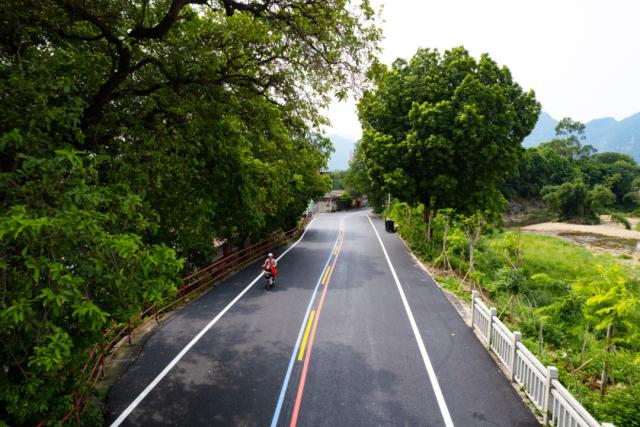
(305, 367)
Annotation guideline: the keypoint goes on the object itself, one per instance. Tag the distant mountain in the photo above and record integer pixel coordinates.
(606, 134)
(343, 151)
(544, 131)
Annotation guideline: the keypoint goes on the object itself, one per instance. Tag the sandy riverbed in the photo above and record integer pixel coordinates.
(607, 228)
(614, 238)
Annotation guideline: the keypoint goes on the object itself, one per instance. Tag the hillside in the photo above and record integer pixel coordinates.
(543, 131)
(605, 134)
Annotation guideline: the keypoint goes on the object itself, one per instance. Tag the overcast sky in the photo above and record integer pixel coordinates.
(581, 57)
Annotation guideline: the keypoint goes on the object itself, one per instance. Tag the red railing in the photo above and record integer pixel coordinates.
(101, 354)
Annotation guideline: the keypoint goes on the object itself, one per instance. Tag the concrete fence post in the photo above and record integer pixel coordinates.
(474, 295)
(517, 337)
(493, 312)
(552, 374)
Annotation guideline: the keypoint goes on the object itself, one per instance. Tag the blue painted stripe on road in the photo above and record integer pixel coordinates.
(287, 377)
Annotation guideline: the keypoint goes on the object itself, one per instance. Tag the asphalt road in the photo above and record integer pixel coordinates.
(350, 336)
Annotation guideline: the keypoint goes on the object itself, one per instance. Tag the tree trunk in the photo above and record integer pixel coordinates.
(427, 216)
(512, 307)
(605, 369)
(472, 267)
(541, 339)
(445, 258)
(584, 345)
(427, 222)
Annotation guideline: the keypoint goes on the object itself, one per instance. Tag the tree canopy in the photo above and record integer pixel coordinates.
(577, 182)
(445, 129)
(133, 134)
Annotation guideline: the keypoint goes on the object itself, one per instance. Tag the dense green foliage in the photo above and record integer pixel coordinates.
(73, 261)
(357, 180)
(577, 183)
(337, 179)
(444, 129)
(562, 297)
(133, 134)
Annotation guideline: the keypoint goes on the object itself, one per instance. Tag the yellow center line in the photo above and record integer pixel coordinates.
(335, 252)
(306, 335)
(326, 273)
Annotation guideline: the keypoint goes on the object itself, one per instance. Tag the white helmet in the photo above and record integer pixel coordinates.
(270, 255)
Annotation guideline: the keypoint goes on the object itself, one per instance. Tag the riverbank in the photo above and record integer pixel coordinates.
(606, 237)
(606, 228)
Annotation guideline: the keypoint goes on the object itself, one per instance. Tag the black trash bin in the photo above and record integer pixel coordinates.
(389, 225)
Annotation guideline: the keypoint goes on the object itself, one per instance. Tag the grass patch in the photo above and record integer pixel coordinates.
(453, 284)
(550, 255)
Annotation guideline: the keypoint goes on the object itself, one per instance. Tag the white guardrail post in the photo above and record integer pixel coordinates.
(474, 295)
(552, 374)
(517, 337)
(493, 312)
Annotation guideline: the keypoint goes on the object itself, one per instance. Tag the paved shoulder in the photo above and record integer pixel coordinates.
(474, 388)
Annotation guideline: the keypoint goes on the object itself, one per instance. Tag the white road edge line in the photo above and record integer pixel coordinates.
(195, 339)
(423, 351)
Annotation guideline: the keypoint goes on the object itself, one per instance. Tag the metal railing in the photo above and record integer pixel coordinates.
(540, 383)
(117, 336)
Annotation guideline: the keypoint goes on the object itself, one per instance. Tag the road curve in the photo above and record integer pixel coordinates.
(348, 337)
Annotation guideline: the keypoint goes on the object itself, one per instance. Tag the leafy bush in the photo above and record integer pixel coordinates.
(70, 253)
(621, 219)
(572, 201)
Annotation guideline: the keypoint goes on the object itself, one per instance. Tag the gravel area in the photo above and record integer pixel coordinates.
(607, 228)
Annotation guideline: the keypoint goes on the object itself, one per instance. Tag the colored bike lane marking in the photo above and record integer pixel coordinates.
(306, 335)
(296, 348)
(305, 366)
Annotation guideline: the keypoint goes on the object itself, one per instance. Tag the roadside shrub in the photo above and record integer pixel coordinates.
(619, 218)
(70, 254)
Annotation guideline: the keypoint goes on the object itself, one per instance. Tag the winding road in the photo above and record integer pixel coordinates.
(355, 333)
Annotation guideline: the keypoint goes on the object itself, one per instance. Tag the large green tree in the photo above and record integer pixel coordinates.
(187, 94)
(132, 134)
(445, 129)
(566, 160)
(539, 167)
(568, 143)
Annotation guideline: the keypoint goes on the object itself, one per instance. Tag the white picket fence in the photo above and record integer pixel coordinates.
(540, 383)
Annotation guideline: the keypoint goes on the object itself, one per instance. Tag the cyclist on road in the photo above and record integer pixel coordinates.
(269, 267)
